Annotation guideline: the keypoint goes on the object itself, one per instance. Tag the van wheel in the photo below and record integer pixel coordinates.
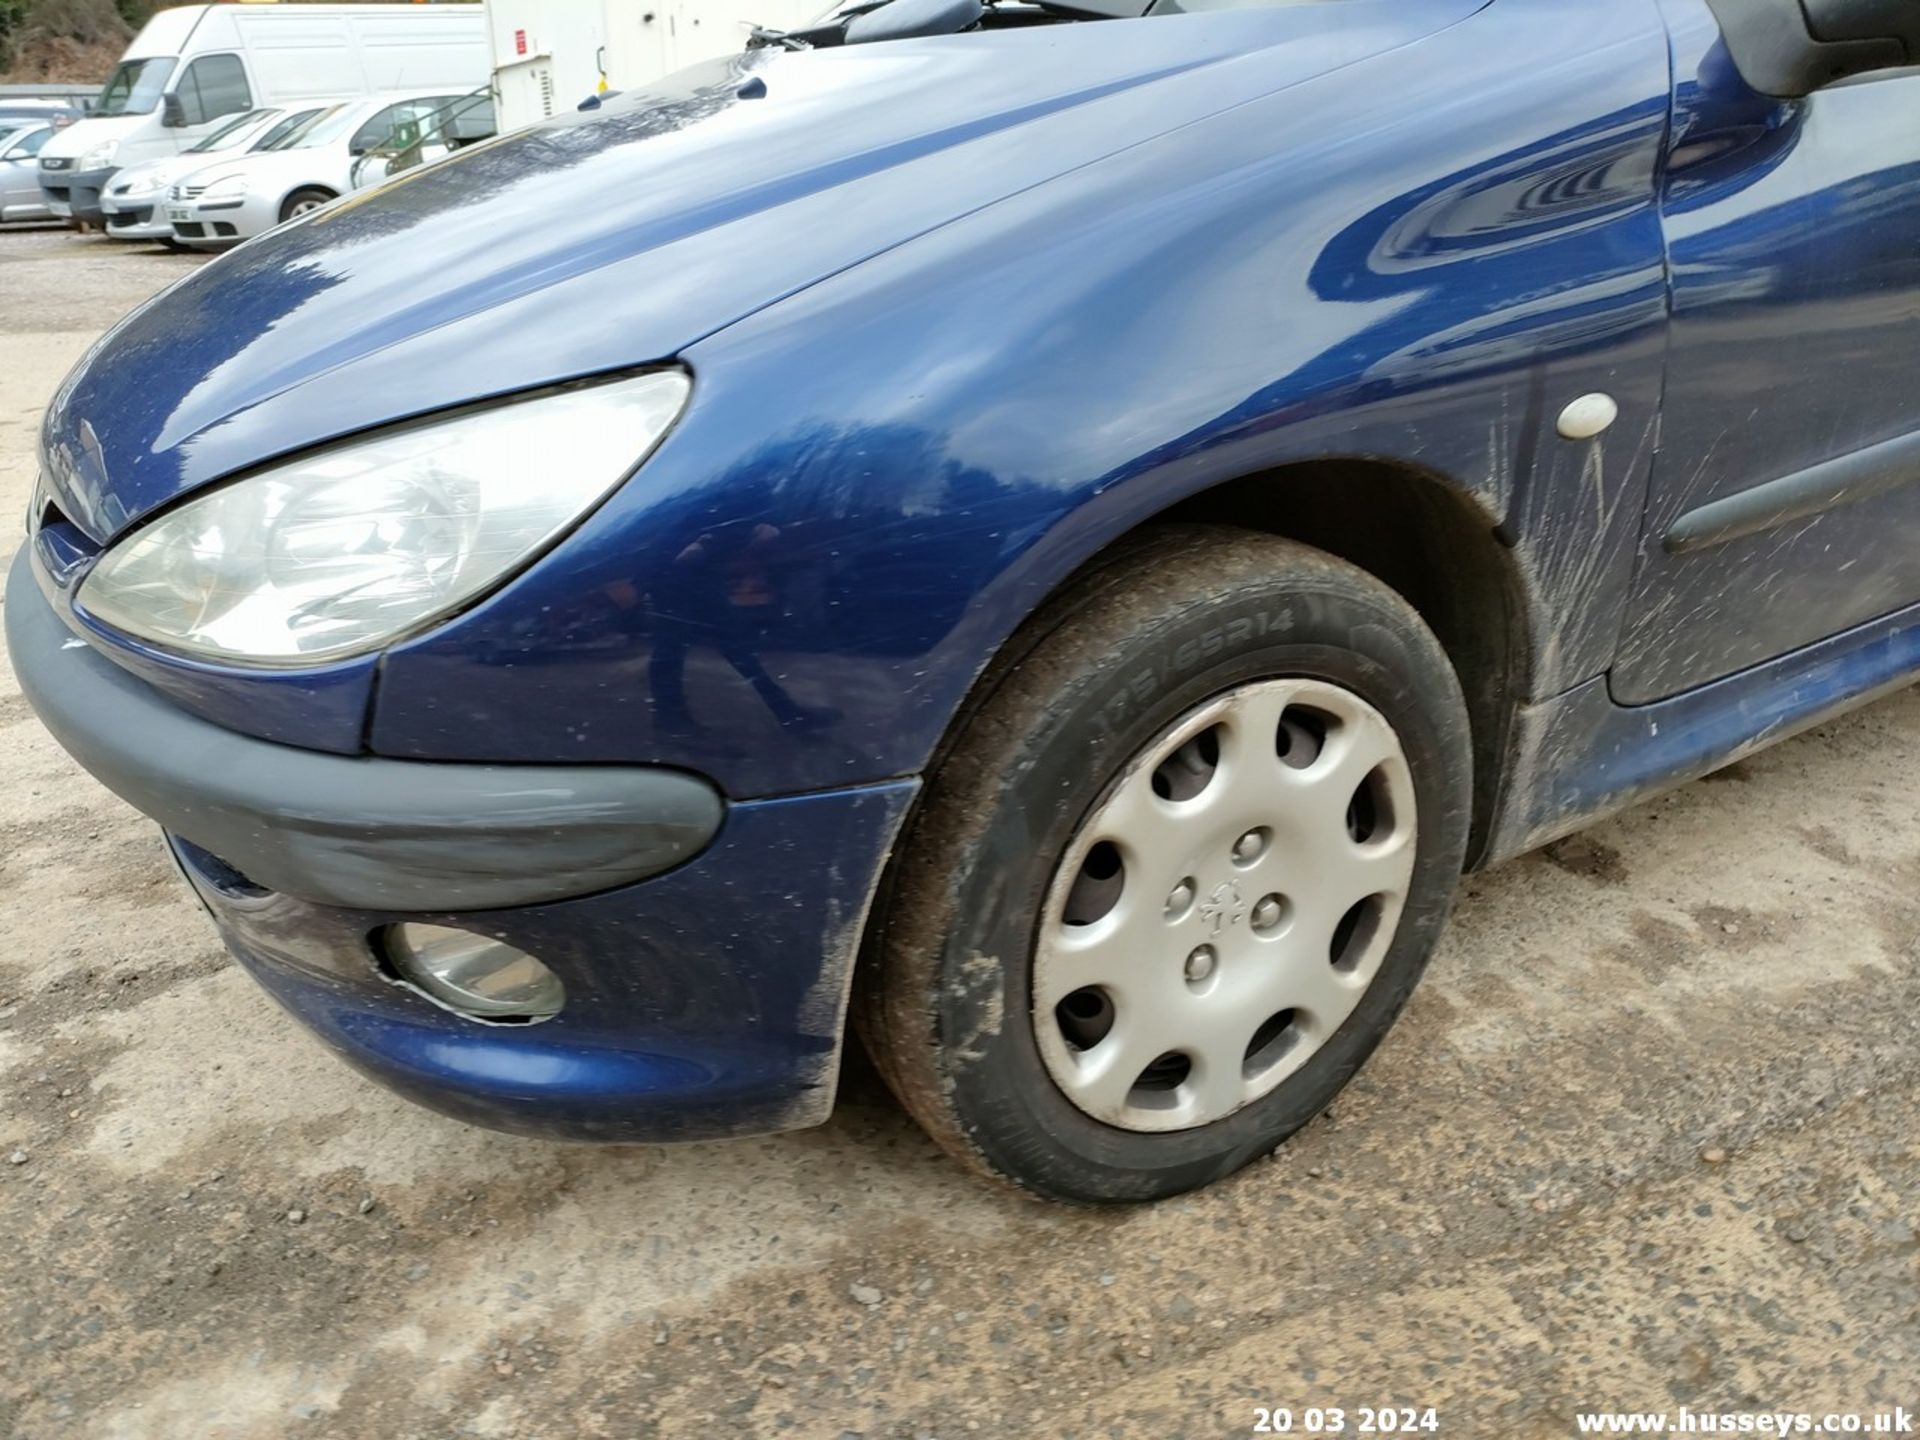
(301, 201)
(1178, 872)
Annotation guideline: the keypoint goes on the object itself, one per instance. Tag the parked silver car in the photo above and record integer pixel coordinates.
(347, 147)
(134, 198)
(20, 143)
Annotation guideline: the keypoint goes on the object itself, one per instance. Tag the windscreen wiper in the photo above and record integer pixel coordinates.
(761, 37)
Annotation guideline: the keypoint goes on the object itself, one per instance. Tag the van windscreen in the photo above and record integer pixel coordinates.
(134, 87)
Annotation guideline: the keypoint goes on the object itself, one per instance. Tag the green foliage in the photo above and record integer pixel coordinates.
(12, 14)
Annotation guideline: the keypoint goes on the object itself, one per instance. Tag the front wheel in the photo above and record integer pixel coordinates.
(302, 201)
(1178, 872)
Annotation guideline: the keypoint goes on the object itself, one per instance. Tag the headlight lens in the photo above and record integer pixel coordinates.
(37, 506)
(100, 156)
(226, 185)
(351, 548)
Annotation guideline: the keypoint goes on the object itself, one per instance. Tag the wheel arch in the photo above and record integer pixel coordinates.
(286, 199)
(1420, 533)
(1427, 540)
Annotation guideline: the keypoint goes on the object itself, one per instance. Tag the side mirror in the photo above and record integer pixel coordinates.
(173, 111)
(1791, 48)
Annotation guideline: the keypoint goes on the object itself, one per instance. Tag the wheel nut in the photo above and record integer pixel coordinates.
(1180, 899)
(1200, 964)
(1268, 914)
(1249, 846)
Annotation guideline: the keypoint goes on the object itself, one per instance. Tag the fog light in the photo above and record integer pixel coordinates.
(474, 974)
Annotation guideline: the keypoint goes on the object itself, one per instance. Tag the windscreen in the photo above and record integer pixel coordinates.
(316, 129)
(231, 133)
(280, 131)
(329, 125)
(134, 87)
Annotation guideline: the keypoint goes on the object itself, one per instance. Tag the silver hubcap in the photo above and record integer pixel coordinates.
(1225, 907)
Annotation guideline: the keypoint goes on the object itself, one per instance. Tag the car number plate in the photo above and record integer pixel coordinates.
(179, 215)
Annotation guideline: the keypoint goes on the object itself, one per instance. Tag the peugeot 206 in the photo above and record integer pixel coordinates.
(1052, 533)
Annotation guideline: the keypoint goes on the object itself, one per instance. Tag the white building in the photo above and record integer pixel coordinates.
(549, 55)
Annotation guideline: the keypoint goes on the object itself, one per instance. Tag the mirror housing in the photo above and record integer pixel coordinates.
(173, 111)
(1791, 48)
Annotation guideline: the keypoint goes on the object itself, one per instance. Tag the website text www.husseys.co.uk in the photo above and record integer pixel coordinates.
(1684, 1421)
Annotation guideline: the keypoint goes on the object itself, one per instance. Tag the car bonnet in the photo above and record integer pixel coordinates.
(596, 242)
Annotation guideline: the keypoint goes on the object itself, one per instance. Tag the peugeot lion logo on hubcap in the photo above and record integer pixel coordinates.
(1223, 907)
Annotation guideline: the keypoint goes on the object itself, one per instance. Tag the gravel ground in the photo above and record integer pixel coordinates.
(1647, 1137)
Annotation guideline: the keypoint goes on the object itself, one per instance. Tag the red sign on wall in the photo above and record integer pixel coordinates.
(519, 42)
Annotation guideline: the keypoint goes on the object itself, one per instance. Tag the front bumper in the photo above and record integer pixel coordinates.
(352, 829)
(705, 1001)
(137, 217)
(217, 222)
(75, 194)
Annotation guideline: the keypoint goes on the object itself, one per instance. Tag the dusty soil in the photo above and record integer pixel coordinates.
(1648, 1136)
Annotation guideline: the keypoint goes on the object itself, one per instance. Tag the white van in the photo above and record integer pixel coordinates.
(549, 55)
(191, 67)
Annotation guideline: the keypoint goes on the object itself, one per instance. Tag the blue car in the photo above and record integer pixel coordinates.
(1053, 532)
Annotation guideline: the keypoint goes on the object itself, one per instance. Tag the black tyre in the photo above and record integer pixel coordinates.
(1177, 872)
(301, 201)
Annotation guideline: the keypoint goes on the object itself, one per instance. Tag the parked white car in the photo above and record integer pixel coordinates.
(342, 149)
(135, 200)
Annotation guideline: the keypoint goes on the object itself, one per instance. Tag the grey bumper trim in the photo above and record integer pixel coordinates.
(76, 183)
(353, 830)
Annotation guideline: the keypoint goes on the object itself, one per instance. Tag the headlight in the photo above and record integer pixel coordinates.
(37, 506)
(355, 546)
(100, 156)
(226, 185)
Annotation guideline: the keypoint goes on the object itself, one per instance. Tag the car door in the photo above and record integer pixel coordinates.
(1784, 506)
(20, 173)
